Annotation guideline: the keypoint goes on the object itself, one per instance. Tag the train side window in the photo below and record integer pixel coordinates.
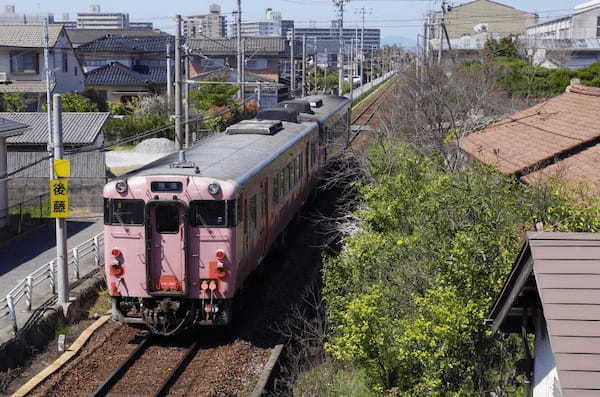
(301, 163)
(167, 219)
(231, 213)
(239, 212)
(276, 189)
(252, 213)
(290, 173)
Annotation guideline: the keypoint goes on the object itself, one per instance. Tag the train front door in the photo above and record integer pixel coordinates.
(166, 247)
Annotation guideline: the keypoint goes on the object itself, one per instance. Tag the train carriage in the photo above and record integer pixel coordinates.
(184, 232)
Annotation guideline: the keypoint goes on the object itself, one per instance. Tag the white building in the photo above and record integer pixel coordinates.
(96, 19)
(272, 26)
(582, 24)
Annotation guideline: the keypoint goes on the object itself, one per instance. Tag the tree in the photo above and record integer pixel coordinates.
(213, 95)
(505, 47)
(72, 102)
(13, 102)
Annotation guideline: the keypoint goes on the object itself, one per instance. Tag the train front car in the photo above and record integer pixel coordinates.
(170, 250)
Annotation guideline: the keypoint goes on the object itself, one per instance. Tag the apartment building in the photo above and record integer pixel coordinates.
(96, 19)
(212, 25)
(372, 36)
(582, 24)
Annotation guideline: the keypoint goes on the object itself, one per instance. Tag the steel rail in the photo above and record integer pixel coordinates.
(178, 370)
(117, 374)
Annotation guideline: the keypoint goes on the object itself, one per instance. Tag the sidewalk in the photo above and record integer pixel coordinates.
(28, 254)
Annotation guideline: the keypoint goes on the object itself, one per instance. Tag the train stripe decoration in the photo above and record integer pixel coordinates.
(184, 232)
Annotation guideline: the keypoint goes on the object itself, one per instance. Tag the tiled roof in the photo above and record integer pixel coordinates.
(230, 74)
(24, 86)
(253, 45)
(10, 127)
(116, 73)
(78, 128)
(116, 44)
(30, 36)
(582, 166)
(82, 36)
(540, 133)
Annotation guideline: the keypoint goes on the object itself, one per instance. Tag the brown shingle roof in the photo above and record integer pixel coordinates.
(582, 166)
(30, 36)
(564, 268)
(540, 133)
(24, 86)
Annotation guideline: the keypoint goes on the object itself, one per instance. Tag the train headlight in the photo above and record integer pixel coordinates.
(220, 255)
(121, 187)
(214, 188)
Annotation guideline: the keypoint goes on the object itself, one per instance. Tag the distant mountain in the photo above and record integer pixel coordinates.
(406, 42)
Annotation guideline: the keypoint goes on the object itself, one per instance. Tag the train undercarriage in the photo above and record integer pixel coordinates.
(169, 315)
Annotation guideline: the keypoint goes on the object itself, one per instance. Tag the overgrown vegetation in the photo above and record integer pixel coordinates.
(13, 102)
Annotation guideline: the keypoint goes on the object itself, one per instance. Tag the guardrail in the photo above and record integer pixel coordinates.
(25, 289)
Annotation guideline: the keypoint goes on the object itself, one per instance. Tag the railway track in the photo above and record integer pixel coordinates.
(125, 380)
(367, 109)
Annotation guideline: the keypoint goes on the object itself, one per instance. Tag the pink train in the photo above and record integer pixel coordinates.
(184, 232)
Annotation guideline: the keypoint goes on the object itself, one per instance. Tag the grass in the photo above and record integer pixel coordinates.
(331, 380)
(102, 305)
(33, 210)
(65, 330)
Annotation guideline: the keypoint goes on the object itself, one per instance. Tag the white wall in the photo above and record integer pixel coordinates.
(545, 375)
(585, 24)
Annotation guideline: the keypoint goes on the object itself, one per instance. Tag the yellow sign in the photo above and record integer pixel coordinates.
(59, 198)
(62, 168)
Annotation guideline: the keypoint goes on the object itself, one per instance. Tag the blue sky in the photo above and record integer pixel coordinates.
(396, 18)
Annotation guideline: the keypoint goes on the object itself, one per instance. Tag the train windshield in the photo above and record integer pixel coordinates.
(123, 212)
(212, 213)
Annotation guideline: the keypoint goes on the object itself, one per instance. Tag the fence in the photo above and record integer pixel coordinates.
(28, 214)
(25, 289)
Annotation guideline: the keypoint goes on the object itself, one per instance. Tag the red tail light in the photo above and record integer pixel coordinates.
(220, 255)
(115, 252)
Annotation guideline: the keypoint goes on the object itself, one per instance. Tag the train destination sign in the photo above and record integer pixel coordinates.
(59, 198)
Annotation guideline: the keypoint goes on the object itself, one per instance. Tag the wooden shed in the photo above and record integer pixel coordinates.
(553, 291)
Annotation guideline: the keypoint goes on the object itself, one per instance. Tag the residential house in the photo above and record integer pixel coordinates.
(79, 37)
(552, 292)
(22, 60)
(266, 57)
(8, 128)
(27, 157)
(119, 68)
(557, 138)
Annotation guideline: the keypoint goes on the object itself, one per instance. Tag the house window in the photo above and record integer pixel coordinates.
(75, 70)
(65, 62)
(25, 62)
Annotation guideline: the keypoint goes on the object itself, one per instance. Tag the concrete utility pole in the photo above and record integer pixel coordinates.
(363, 13)
(62, 281)
(48, 89)
(243, 85)
(179, 141)
(169, 77)
(259, 95)
(315, 57)
(292, 64)
(340, 64)
(372, 59)
(351, 74)
(303, 65)
(426, 41)
(188, 142)
(440, 31)
(239, 50)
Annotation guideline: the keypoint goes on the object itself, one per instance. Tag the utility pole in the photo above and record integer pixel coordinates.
(315, 57)
(169, 77)
(351, 74)
(239, 50)
(340, 64)
(426, 42)
(303, 65)
(363, 13)
(259, 95)
(179, 142)
(48, 89)
(440, 28)
(292, 64)
(325, 70)
(188, 142)
(372, 59)
(243, 85)
(61, 224)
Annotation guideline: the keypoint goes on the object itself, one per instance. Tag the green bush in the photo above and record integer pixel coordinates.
(407, 295)
(12, 102)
